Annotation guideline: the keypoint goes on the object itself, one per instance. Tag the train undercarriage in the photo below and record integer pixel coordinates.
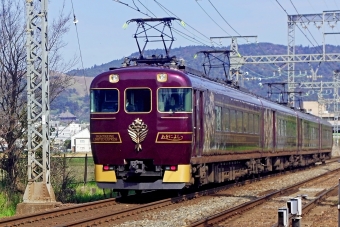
(141, 175)
(233, 170)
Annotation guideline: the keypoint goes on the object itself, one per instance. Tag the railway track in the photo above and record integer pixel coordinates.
(333, 191)
(228, 217)
(106, 211)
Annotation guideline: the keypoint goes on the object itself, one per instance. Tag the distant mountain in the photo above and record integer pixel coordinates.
(254, 70)
(76, 98)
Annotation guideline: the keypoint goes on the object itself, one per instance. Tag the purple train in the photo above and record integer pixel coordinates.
(163, 127)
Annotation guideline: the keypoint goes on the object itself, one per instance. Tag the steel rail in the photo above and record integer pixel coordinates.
(309, 206)
(210, 221)
(50, 214)
(36, 217)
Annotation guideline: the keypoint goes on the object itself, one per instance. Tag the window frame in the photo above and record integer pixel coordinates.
(136, 88)
(192, 99)
(91, 99)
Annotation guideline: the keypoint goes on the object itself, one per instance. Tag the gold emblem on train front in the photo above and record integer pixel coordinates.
(138, 131)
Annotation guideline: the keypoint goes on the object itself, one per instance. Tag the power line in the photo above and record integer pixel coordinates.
(297, 26)
(75, 21)
(306, 27)
(165, 9)
(234, 29)
(223, 18)
(211, 18)
(147, 8)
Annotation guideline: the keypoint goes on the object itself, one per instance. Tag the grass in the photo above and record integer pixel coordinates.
(90, 192)
(83, 194)
(7, 205)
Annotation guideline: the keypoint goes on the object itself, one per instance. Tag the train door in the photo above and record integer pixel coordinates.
(198, 123)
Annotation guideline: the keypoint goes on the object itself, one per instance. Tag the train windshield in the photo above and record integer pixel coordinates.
(137, 100)
(104, 100)
(174, 100)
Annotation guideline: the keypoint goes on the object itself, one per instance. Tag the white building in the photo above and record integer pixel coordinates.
(80, 142)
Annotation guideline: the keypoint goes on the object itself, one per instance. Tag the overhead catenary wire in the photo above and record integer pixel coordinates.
(146, 14)
(259, 46)
(182, 34)
(75, 21)
(167, 10)
(211, 18)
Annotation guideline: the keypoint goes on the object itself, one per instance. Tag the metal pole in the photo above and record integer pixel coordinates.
(339, 204)
(296, 222)
(85, 170)
(38, 108)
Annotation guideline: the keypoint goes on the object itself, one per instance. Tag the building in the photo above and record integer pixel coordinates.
(80, 142)
(314, 107)
(67, 117)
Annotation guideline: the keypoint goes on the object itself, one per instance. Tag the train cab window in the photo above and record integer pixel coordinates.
(174, 100)
(104, 100)
(137, 100)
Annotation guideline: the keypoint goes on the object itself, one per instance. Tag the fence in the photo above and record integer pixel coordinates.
(81, 167)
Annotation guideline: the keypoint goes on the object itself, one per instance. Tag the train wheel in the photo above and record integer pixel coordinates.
(124, 193)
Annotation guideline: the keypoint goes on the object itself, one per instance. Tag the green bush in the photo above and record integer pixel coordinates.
(8, 204)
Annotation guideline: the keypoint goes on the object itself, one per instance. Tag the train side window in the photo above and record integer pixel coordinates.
(226, 122)
(174, 100)
(245, 123)
(137, 100)
(251, 123)
(239, 117)
(232, 120)
(256, 124)
(104, 100)
(218, 123)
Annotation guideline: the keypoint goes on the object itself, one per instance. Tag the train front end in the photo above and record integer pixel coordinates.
(141, 128)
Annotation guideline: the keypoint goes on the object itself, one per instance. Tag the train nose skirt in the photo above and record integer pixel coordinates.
(156, 185)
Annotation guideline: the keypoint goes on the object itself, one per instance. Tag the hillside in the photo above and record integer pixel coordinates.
(264, 70)
(76, 100)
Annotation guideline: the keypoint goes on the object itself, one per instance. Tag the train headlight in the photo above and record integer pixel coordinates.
(162, 77)
(114, 78)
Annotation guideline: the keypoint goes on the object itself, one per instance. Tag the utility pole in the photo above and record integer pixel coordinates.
(39, 193)
(289, 60)
(236, 62)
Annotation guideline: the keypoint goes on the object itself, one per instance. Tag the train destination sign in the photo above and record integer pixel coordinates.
(174, 137)
(106, 137)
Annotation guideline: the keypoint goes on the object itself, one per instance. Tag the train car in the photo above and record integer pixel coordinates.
(169, 127)
(160, 125)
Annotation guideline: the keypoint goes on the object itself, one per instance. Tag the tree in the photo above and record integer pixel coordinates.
(13, 94)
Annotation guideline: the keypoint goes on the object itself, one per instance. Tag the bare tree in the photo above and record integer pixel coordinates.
(13, 94)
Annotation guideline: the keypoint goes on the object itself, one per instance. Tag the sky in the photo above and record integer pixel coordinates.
(102, 37)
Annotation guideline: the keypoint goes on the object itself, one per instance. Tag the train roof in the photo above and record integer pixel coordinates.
(201, 81)
(247, 97)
